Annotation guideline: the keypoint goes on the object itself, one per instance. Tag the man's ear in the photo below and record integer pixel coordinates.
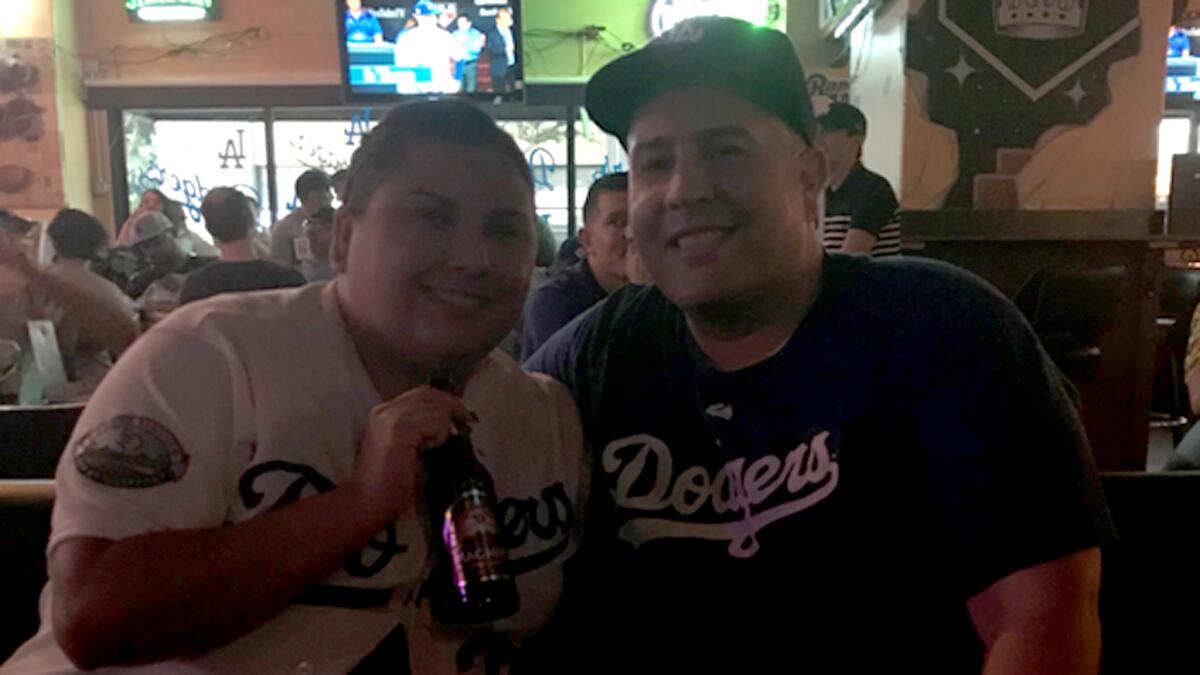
(343, 232)
(812, 166)
(812, 177)
(585, 239)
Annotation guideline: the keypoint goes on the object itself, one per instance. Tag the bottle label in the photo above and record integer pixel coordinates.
(470, 531)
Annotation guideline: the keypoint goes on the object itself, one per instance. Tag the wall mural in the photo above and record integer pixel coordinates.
(1001, 74)
(30, 176)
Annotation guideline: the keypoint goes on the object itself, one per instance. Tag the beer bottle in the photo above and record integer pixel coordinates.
(470, 582)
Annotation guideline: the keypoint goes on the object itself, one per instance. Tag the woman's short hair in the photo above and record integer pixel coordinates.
(384, 148)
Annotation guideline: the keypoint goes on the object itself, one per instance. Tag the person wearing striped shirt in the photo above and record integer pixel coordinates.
(860, 207)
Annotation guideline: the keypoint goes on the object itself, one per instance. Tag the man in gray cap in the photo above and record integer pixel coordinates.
(807, 463)
(156, 288)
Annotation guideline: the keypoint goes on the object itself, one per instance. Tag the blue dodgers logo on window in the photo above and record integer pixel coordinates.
(806, 476)
(130, 452)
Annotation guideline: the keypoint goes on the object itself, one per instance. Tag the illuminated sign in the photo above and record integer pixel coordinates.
(172, 10)
(664, 14)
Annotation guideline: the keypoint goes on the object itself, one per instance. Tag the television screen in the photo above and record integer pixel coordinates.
(396, 48)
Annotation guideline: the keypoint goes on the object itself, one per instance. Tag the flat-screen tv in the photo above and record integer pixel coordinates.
(395, 48)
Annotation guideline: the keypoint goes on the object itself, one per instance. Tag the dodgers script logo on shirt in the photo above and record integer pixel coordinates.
(807, 475)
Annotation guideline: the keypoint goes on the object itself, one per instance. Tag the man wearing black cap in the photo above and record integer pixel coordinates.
(807, 463)
(860, 207)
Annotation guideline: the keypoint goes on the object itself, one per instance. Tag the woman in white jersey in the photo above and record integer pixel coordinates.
(242, 493)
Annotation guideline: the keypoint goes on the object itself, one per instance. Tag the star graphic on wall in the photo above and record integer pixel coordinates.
(1076, 93)
(961, 70)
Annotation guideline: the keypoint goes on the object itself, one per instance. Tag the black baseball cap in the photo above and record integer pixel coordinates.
(844, 117)
(757, 64)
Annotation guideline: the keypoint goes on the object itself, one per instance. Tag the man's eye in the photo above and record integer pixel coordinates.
(432, 215)
(654, 164)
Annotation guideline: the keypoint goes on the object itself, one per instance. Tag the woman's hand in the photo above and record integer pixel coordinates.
(387, 471)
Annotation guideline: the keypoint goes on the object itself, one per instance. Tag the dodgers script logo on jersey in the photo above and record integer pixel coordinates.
(535, 529)
(733, 505)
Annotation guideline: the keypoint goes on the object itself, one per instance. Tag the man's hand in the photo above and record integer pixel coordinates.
(387, 471)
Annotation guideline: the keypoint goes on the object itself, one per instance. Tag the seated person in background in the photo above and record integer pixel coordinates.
(189, 241)
(860, 207)
(89, 338)
(157, 287)
(313, 190)
(338, 183)
(511, 344)
(242, 494)
(152, 200)
(569, 252)
(94, 321)
(575, 288)
(318, 233)
(228, 218)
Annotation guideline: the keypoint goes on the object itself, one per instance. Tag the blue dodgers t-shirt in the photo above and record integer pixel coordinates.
(830, 509)
(564, 296)
(362, 28)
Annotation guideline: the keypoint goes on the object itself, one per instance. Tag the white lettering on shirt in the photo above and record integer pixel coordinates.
(808, 474)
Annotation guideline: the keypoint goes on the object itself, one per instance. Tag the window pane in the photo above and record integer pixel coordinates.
(186, 158)
(301, 145)
(596, 154)
(1172, 140)
(544, 144)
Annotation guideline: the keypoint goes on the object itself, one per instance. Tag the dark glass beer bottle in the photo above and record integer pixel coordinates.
(470, 582)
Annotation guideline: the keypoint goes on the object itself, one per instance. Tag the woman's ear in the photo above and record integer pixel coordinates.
(343, 232)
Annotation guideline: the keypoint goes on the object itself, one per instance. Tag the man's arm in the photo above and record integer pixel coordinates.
(178, 593)
(1193, 387)
(99, 323)
(282, 251)
(859, 242)
(162, 595)
(1042, 619)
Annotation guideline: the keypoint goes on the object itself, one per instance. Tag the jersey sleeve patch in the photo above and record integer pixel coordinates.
(129, 451)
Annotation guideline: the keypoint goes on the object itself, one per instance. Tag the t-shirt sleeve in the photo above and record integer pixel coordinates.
(154, 449)
(875, 209)
(1009, 472)
(560, 356)
(193, 289)
(548, 310)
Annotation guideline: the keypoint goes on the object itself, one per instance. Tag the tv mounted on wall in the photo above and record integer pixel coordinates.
(398, 48)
